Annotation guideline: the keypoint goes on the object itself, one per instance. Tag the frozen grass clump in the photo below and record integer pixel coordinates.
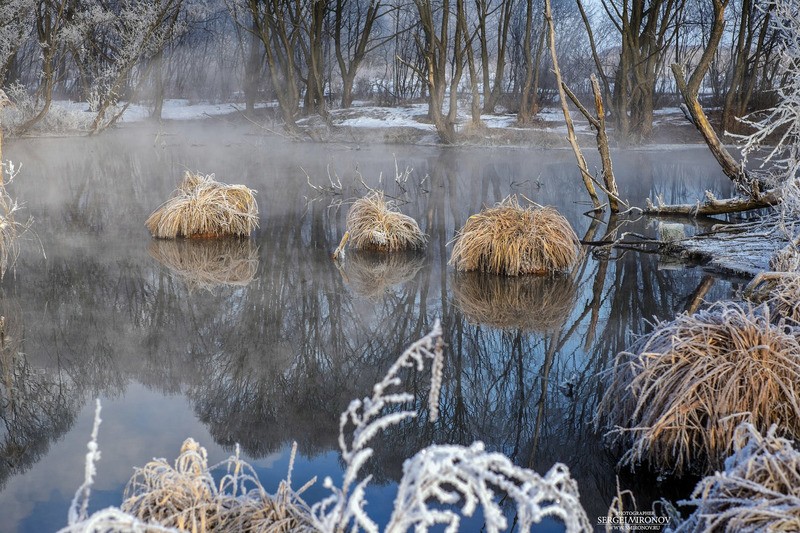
(787, 259)
(187, 497)
(676, 398)
(783, 298)
(371, 274)
(202, 207)
(759, 489)
(531, 303)
(512, 240)
(205, 264)
(374, 223)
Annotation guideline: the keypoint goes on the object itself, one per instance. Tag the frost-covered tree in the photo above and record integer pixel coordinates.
(15, 22)
(135, 31)
(780, 125)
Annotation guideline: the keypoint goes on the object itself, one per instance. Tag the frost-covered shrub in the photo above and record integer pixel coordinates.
(59, 118)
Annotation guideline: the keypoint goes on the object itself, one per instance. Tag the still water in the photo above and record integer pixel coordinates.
(264, 342)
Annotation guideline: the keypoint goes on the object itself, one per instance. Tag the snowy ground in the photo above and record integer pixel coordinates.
(366, 123)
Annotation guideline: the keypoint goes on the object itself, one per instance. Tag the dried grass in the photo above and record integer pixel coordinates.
(208, 263)
(10, 228)
(375, 224)
(201, 207)
(532, 303)
(758, 491)
(783, 298)
(675, 400)
(372, 274)
(787, 259)
(186, 496)
(512, 240)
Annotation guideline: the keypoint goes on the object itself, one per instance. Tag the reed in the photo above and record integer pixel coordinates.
(202, 207)
(207, 264)
(759, 490)
(375, 224)
(531, 303)
(512, 240)
(676, 398)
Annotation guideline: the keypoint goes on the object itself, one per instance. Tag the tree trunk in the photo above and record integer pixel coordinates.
(573, 141)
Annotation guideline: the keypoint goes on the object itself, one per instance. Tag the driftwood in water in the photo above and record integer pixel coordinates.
(737, 249)
(729, 165)
(713, 206)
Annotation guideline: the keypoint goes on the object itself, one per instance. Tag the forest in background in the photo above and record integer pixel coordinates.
(311, 56)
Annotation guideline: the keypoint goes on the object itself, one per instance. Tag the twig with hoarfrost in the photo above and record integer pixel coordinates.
(345, 505)
(469, 476)
(457, 479)
(80, 503)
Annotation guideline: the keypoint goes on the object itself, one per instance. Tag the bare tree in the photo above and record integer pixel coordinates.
(15, 23)
(747, 54)
(502, 10)
(353, 38)
(647, 30)
(436, 50)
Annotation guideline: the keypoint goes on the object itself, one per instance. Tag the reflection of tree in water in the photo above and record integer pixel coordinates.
(36, 405)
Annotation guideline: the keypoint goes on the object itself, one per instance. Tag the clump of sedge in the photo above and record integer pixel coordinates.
(202, 207)
(512, 240)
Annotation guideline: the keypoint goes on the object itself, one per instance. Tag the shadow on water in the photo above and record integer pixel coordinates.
(268, 340)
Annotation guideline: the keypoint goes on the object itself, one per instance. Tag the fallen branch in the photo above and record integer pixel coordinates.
(714, 206)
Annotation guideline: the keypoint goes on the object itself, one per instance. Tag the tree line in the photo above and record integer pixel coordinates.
(315, 55)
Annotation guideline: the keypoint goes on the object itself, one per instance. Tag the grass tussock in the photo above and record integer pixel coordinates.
(202, 207)
(187, 498)
(531, 303)
(205, 264)
(676, 399)
(375, 224)
(783, 298)
(759, 490)
(372, 274)
(512, 240)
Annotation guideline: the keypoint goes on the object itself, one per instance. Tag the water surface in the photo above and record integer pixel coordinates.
(264, 342)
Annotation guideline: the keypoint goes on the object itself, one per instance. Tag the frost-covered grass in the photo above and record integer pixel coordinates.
(512, 240)
(11, 228)
(676, 398)
(374, 223)
(202, 207)
(758, 490)
(440, 484)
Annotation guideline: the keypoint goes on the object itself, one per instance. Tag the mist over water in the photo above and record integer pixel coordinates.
(264, 342)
